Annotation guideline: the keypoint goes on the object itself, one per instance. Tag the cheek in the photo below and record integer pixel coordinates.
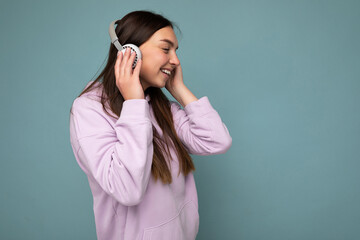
(154, 58)
(152, 61)
(149, 68)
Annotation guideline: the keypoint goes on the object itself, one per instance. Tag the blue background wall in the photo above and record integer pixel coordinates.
(283, 75)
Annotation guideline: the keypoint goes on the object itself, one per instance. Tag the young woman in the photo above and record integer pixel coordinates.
(134, 144)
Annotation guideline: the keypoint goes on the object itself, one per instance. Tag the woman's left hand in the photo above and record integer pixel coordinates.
(175, 82)
(175, 85)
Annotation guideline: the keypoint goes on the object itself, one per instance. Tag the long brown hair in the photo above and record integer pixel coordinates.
(136, 28)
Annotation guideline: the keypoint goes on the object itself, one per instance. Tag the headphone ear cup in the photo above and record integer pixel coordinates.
(133, 49)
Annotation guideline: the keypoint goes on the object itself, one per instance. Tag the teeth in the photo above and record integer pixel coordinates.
(166, 71)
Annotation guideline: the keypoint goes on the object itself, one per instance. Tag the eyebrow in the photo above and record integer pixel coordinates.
(170, 42)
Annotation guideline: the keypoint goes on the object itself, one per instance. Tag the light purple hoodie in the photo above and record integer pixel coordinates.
(116, 155)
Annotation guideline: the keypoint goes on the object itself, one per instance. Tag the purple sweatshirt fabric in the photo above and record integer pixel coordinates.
(116, 156)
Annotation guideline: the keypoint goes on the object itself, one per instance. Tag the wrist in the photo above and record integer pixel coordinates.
(184, 96)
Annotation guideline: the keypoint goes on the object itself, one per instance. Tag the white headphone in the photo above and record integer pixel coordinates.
(115, 41)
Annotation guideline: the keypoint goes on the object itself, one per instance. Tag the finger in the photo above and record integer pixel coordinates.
(137, 68)
(125, 60)
(117, 63)
(130, 63)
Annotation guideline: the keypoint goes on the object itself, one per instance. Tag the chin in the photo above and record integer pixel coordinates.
(158, 83)
(161, 83)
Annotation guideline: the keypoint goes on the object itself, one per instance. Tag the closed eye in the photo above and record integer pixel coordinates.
(166, 49)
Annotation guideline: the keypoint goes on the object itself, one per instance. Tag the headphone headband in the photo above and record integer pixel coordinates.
(114, 38)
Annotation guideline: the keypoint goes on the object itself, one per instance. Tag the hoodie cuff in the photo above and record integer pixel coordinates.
(135, 109)
(201, 106)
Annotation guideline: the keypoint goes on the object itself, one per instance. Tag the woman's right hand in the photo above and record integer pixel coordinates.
(127, 79)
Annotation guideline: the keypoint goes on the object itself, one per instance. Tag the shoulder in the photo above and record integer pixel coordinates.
(88, 100)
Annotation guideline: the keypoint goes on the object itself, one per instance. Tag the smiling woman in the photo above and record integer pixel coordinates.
(134, 144)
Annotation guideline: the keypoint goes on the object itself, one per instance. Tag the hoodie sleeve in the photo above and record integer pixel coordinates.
(200, 128)
(118, 157)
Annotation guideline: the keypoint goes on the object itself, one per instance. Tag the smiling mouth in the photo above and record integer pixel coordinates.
(166, 71)
(166, 75)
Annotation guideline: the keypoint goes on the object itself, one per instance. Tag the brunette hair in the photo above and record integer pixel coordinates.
(136, 28)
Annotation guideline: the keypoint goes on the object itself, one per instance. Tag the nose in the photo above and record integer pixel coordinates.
(174, 60)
